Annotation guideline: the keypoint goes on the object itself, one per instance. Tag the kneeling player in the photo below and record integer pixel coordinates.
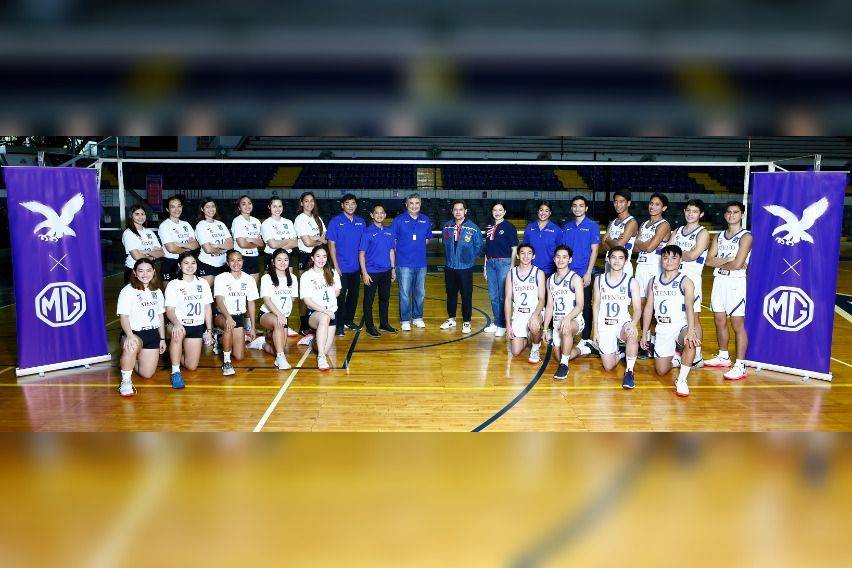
(672, 294)
(565, 308)
(614, 292)
(524, 305)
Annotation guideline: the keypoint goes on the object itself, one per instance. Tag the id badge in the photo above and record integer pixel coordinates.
(413, 236)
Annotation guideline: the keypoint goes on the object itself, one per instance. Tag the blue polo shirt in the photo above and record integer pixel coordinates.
(377, 242)
(411, 235)
(500, 239)
(346, 235)
(580, 239)
(544, 241)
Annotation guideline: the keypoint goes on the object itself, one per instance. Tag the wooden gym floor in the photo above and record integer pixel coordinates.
(424, 380)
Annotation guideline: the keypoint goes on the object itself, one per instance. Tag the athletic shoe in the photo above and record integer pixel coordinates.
(737, 372)
(587, 347)
(419, 323)
(322, 363)
(535, 356)
(681, 388)
(406, 326)
(466, 327)
(228, 369)
(126, 388)
(718, 361)
(388, 328)
(698, 364)
(643, 355)
(281, 363)
(292, 332)
(340, 332)
(676, 361)
(217, 340)
(177, 380)
(501, 331)
(627, 382)
(307, 340)
(373, 332)
(593, 348)
(258, 343)
(561, 373)
(448, 324)
(352, 325)
(491, 329)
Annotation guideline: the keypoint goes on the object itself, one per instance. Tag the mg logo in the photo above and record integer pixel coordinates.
(60, 304)
(788, 308)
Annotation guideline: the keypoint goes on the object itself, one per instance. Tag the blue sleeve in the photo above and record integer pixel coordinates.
(479, 240)
(527, 234)
(331, 231)
(394, 227)
(362, 244)
(596, 233)
(513, 236)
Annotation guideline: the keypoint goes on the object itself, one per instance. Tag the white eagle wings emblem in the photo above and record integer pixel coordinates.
(797, 228)
(57, 225)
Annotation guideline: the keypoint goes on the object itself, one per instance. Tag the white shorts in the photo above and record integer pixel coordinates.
(644, 273)
(609, 335)
(557, 338)
(520, 324)
(729, 295)
(696, 282)
(665, 344)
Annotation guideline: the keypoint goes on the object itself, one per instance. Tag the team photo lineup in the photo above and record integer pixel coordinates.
(229, 289)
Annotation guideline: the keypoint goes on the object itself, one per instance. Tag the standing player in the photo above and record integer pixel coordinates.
(247, 237)
(190, 316)
(278, 288)
(729, 254)
(279, 233)
(235, 293)
(140, 309)
(524, 304)
(377, 258)
(215, 241)
(653, 236)
(139, 242)
(565, 309)
(310, 231)
(344, 235)
(670, 299)
(622, 230)
(693, 240)
(319, 287)
(177, 237)
(614, 292)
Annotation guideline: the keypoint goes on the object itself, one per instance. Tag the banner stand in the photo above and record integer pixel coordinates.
(789, 370)
(64, 365)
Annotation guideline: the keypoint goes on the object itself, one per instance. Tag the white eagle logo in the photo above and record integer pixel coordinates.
(797, 228)
(57, 226)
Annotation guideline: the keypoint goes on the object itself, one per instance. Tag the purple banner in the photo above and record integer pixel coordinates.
(54, 216)
(792, 276)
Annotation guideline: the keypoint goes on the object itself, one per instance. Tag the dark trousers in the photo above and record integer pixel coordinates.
(382, 283)
(459, 281)
(347, 301)
(587, 306)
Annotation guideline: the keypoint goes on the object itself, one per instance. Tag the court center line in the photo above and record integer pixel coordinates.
(282, 390)
(842, 313)
(842, 363)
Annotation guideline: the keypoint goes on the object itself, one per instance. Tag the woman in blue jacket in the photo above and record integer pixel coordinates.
(462, 245)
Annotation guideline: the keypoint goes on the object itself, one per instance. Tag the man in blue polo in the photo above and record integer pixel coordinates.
(412, 231)
(582, 235)
(544, 235)
(344, 235)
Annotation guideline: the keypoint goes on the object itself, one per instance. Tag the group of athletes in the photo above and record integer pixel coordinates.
(190, 287)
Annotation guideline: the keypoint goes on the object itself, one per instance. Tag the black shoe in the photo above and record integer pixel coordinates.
(561, 373)
(373, 332)
(387, 327)
(645, 354)
(351, 325)
(339, 332)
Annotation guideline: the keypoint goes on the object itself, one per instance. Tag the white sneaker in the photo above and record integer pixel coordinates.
(491, 329)
(676, 361)
(405, 326)
(681, 388)
(699, 363)
(257, 343)
(126, 388)
(535, 356)
(281, 363)
(228, 369)
(419, 323)
(322, 363)
(307, 340)
(718, 361)
(466, 327)
(501, 331)
(737, 372)
(292, 332)
(447, 324)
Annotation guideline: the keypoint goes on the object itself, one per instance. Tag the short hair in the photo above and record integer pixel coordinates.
(176, 197)
(663, 199)
(671, 249)
(526, 245)
(232, 252)
(373, 209)
(566, 248)
(201, 205)
(619, 248)
(545, 203)
(411, 196)
(738, 204)
(580, 198)
(455, 201)
(347, 197)
(695, 203)
(276, 198)
(154, 284)
(623, 193)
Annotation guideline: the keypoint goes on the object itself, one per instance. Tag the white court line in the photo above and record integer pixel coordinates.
(842, 313)
(841, 362)
(282, 390)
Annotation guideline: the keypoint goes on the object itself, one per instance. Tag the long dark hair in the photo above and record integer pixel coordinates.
(201, 205)
(132, 225)
(155, 283)
(183, 256)
(315, 213)
(327, 271)
(276, 198)
(273, 274)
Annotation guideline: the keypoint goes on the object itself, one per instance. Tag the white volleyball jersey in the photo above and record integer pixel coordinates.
(145, 241)
(282, 296)
(615, 300)
(214, 233)
(616, 229)
(179, 233)
(729, 248)
(143, 307)
(245, 229)
(306, 225)
(312, 285)
(524, 291)
(562, 292)
(669, 299)
(647, 230)
(189, 299)
(280, 229)
(687, 241)
(236, 292)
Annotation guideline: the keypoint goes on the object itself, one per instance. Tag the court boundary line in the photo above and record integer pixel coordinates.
(352, 345)
(271, 408)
